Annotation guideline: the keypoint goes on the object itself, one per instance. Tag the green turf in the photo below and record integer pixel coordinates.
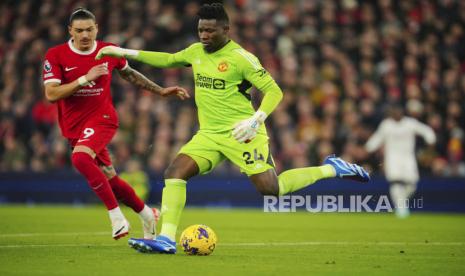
(61, 240)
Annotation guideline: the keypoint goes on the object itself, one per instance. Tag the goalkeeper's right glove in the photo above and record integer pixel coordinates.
(113, 51)
(246, 130)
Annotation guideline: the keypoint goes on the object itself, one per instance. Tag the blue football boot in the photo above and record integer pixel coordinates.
(161, 244)
(347, 170)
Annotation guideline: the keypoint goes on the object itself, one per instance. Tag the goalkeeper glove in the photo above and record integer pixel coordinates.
(246, 130)
(118, 52)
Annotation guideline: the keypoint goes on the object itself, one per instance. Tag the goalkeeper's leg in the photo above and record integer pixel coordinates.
(178, 172)
(268, 183)
(173, 200)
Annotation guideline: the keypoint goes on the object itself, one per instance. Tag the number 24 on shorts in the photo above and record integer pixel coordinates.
(256, 156)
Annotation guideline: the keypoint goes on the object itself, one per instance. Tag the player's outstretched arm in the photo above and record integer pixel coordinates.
(155, 59)
(141, 81)
(118, 52)
(54, 91)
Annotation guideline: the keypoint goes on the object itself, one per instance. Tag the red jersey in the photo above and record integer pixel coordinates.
(64, 64)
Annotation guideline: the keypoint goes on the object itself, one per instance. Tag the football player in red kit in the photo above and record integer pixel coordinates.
(80, 86)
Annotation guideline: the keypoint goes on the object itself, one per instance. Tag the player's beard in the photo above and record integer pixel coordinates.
(86, 44)
(208, 47)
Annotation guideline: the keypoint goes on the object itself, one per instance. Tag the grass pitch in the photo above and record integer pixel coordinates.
(62, 240)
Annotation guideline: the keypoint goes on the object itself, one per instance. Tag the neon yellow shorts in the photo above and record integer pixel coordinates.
(252, 158)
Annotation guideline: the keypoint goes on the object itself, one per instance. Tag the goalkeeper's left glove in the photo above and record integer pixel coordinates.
(246, 130)
(114, 51)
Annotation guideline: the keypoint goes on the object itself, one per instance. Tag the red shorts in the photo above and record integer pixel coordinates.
(96, 136)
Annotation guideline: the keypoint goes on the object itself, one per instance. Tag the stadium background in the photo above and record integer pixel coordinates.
(338, 62)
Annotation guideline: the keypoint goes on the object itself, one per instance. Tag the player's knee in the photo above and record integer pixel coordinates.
(266, 183)
(110, 175)
(108, 171)
(269, 190)
(172, 172)
(183, 167)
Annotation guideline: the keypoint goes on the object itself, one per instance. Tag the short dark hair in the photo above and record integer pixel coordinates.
(79, 14)
(213, 11)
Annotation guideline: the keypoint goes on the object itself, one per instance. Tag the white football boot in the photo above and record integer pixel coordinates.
(150, 226)
(120, 228)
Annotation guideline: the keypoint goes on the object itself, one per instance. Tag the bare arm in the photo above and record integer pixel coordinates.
(141, 81)
(133, 76)
(55, 91)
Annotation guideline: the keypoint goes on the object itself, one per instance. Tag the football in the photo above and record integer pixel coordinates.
(198, 240)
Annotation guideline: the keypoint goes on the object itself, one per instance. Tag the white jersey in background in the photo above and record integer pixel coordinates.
(398, 141)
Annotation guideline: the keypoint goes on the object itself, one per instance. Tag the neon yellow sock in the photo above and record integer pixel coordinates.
(296, 179)
(172, 204)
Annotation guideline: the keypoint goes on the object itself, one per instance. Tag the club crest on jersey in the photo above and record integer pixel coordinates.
(223, 66)
(47, 66)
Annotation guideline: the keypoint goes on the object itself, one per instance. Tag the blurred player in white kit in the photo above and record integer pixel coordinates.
(396, 134)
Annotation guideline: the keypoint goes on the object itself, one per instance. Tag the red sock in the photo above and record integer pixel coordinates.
(85, 164)
(126, 194)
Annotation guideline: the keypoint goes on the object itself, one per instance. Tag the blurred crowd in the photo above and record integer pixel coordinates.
(339, 63)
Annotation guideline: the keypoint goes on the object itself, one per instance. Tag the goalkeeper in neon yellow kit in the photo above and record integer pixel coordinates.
(229, 126)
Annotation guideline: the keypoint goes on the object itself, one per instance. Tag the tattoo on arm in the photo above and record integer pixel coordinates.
(140, 80)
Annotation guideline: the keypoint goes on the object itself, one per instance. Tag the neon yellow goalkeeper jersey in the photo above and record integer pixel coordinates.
(223, 80)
